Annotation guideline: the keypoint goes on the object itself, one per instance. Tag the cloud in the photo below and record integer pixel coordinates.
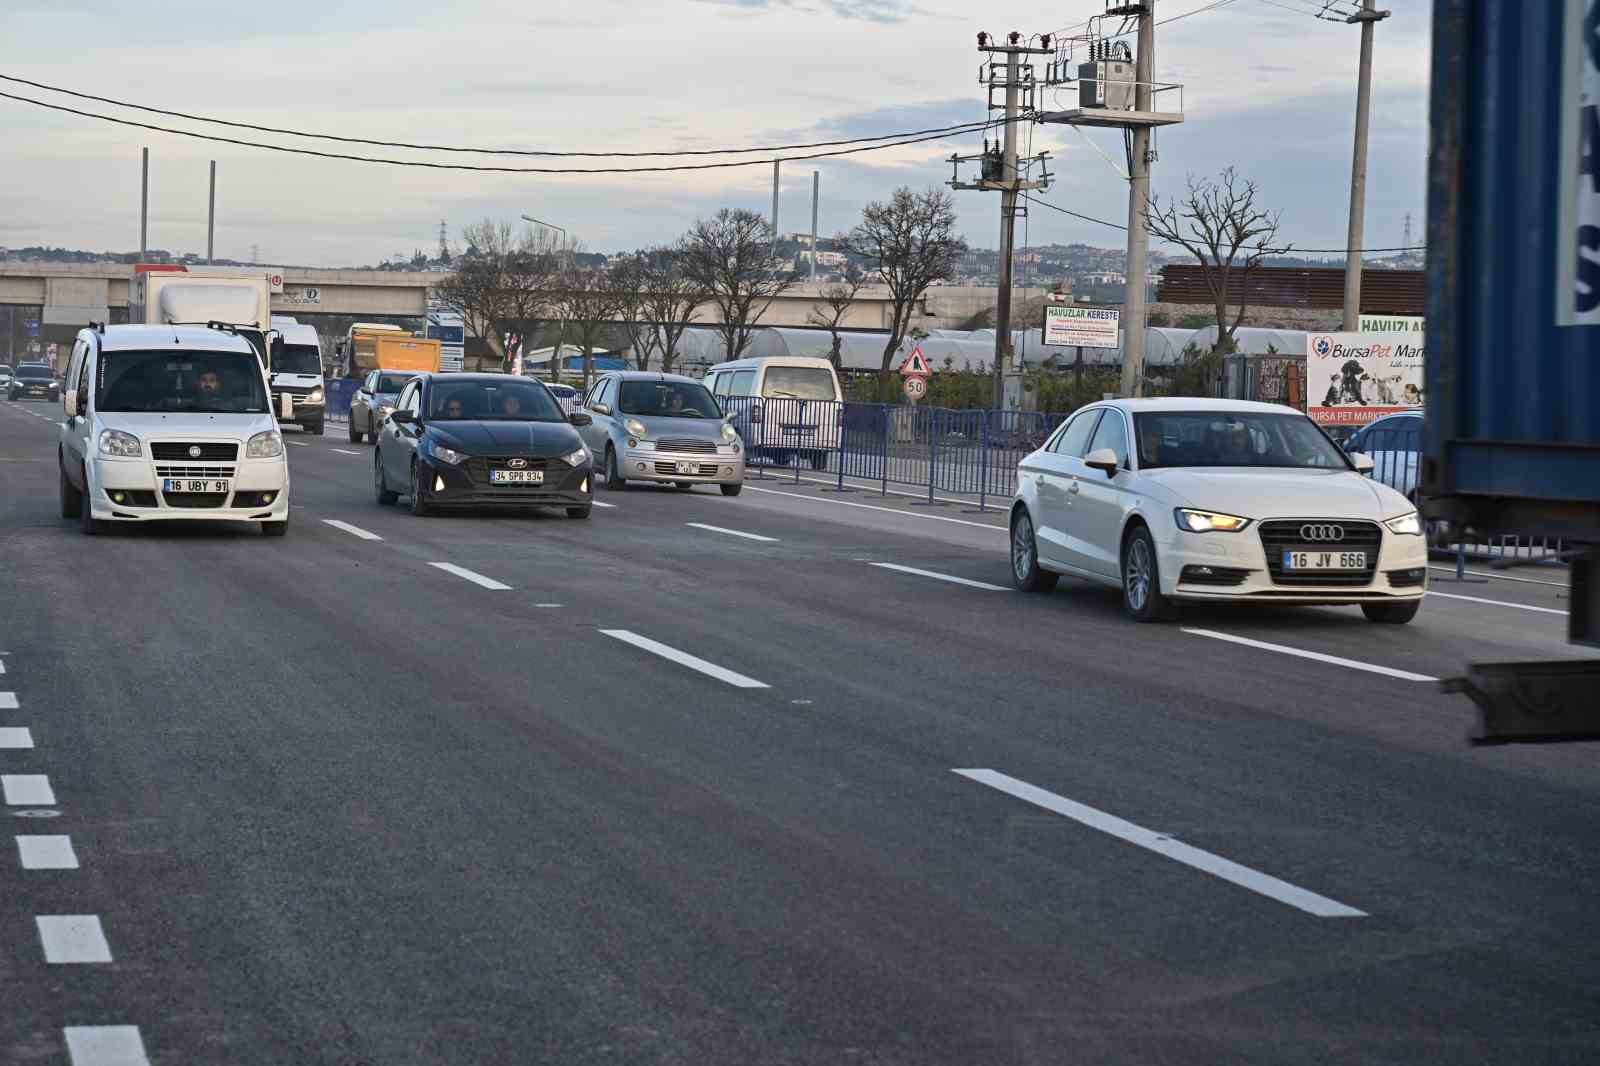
(879, 11)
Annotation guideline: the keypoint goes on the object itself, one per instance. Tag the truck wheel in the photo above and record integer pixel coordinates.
(71, 498)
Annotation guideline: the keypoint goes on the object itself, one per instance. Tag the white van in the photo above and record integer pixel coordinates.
(170, 422)
(297, 372)
(785, 407)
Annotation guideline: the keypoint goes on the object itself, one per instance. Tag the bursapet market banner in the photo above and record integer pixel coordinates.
(1356, 378)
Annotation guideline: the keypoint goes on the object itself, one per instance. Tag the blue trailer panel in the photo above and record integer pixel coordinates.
(1512, 438)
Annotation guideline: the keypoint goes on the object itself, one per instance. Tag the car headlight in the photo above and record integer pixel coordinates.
(1208, 521)
(123, 445)
(635, 428)
(1407, 525)
(449, 455)
(315, 395)
(264, 445)
(577, 458)
(729, 434)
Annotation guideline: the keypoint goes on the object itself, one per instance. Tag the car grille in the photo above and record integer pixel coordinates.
(701, 469)
(194, 471)
(195, 500)
(294, 390)
(1284, 535)
(179, 452)
(683, 444)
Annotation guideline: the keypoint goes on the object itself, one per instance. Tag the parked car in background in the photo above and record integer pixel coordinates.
(5, 376)
(33, 381)
(661, 427)
(1219, 500)
(482, 441)
(784, 407)
(373, 401)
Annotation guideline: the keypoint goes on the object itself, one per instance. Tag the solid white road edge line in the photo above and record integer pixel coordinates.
(354, 531)
(887, 510)
(73, 938)
(1497, 603)
(731, 532)
(941, 577)
(105, 1045)
(1205, 861)
(1371, 668)
(475, 578)
(27, 790)
(46, 853)
(15, 737)
(683, 658)
(1501, 577)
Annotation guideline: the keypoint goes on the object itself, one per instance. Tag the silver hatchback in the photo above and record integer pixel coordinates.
(661, 427)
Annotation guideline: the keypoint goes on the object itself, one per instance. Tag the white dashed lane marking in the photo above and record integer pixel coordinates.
(472, 576)
(8, 701)
(731, 532)
(73, 939)
(942, 577)
(27, 790)
(344, 451)
(15, 737)
(683, 658)
(1315, 656)
(105, 1045)
(354, 531)
(47, 853)
(1162, 844)
(607, 506)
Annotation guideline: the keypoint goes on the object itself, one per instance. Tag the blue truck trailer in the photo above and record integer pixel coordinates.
(1511, 442)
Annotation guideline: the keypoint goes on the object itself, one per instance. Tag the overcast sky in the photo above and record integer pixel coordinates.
(1269, 90)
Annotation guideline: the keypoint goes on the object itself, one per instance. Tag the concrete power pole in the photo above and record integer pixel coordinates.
(144, 206)
(774, 209)
(816, 201)
(1368, 17)
(1003, 357)
(211, 218)
(1134, 297)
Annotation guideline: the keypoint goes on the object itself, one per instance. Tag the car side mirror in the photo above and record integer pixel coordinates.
(600, 408)
(1363, 463)
(578, 418)
(1103, 459)
(403, 417)
(70, 403)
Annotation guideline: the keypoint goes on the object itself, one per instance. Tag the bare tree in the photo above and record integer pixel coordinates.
(909, 243)
(1216, 222)
(628, 282)
(589, 302)
(501, 285)
(672, 298)
(730, 257)
(837, 299)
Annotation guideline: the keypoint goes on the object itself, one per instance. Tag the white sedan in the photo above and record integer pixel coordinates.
(1217, 500)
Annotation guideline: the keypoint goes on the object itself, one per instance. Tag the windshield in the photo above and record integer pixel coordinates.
(668, 399)
(393, 382)
(222, 382)
(1233, 438)
(507, 400)
(35, 373)
(298, 359)
(798, 382)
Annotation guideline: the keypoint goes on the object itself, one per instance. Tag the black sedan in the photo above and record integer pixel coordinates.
(33, 381)
(482, 441)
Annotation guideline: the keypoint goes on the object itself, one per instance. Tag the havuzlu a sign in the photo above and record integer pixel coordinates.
(1081, 327)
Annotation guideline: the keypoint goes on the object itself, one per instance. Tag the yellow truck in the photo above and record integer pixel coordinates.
(369, 346)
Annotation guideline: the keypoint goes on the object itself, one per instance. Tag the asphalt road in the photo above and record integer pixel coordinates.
(325, 801)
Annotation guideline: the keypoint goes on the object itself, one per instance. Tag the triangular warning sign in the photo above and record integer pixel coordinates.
(916, 363)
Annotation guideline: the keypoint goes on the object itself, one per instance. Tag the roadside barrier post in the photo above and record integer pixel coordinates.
(883, 410)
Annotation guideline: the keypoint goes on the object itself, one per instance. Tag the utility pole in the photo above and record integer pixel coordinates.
(1134, 296)
(816, 200)
(144, 207)
(1367, 17)
(211, 219)
(1000, 173)
(774, 209)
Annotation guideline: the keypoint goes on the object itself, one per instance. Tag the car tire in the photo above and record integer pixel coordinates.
(71, 498)
(419, 502)
(355, 438)
(87, 522)
(734, 489)
(1026, 573)
(1391, 614)
(1142, 600)
(614, 479)
(685, 486)
(315, 428)
(578, 512)
(380, 484)
(275, 529)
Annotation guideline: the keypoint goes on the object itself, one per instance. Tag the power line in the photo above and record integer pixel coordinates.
(1159, 22)
(961, 127)
(1270, 251)
(945, 135)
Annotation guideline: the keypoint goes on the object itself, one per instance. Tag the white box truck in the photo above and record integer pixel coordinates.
(241, 302)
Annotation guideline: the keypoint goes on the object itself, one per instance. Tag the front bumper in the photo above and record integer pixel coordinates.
(1239, 572)
(140, 485)
(719, 468)
(467, 485)
(33, 393)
